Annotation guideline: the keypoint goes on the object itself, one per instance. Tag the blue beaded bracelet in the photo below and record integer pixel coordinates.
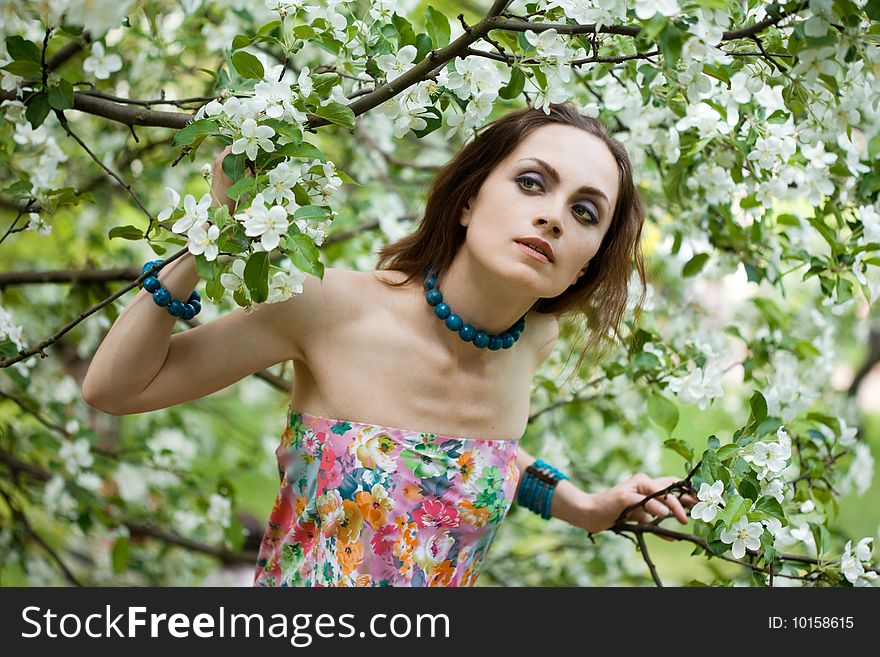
(537, 487)
(162, 297)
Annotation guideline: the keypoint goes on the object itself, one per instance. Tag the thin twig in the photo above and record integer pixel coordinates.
(20, 516)
(63, 121)
(647, 557)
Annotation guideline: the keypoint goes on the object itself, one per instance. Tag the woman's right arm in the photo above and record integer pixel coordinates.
(141, 366)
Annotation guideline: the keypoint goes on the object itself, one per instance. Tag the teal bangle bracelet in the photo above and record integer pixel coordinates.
(548, 498)
(537, 486)
(529, 490)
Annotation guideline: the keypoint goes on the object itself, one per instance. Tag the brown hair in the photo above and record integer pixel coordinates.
(601, 294)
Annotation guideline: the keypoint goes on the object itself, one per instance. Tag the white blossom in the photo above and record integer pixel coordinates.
(253, 137)
(700, 385)
(9, 329)
(396, 65)
(100, 64)
(204, 241)
(76, 454)
(171, 447)
(281, 181)
(172, 203)
(646, 9)
(195, 214)
(284, 285)
(268, 224)
(38, 224)
(234, 280)
(851, 564)
(709, 500)
(219, 510)
(769, 457)
(743, 534)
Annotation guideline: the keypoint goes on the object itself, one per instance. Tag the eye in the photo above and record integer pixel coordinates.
(523, 179)
(594, 219)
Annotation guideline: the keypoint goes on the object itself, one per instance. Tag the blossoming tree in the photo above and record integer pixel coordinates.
(753, 131)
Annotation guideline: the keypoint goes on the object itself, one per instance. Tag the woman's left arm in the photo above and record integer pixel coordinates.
(595, 512)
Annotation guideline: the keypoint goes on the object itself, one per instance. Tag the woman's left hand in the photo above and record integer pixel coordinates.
(603, 509)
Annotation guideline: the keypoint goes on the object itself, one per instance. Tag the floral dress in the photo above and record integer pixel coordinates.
(366, 505)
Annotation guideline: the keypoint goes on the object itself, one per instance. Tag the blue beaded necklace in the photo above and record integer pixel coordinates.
(466, 332)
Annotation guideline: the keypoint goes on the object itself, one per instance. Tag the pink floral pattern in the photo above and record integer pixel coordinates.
(366, 505)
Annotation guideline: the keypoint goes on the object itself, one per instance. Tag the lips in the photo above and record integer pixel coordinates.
(538, 242)
(529, 251)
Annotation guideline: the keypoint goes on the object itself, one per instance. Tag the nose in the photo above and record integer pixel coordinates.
(552, 222)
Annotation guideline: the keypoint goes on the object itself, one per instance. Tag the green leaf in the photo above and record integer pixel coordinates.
(285, 128)
(772, 506)
(206, 269)
(256, 276)
(406, 35)
(304, 32)
(514, 86)
(337, 113)
(821, 536)
(788, 220)
(37, 109)
(214, 290)
(61, 96)
(736, 507)
(681, 448)
(304, 254)
(310, 212)
(344, 177)
(194, 130)
(240, 41)
(438, 27)
(759, 407)
(248, 66)
(727, 451)
(423, 46)
(25, 68)
(126, 233)
(433, 122)
(769, 425)
(20, 48)
(268, 27)
(239, 187)
(663, 412)
(695, 264)
(324, 82)
(825, 231)
(233, 166)
(120, 554)
(748, 487)
(304, 150)
(647, 361)
(300, 195)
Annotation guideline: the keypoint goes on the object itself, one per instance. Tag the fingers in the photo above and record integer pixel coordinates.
(664, 505)
(675, 507)
(652, 509)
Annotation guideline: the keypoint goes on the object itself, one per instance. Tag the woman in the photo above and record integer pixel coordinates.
(400, 457)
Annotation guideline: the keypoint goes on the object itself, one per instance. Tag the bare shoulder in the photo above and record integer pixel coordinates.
(323, 303)
(546, 332)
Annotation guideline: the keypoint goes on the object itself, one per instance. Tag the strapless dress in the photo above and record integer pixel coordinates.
(368, 505)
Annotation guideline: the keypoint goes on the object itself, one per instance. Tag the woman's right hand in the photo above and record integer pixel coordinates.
(220, 182)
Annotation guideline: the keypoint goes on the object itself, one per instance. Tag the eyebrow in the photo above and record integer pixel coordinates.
(554, 174)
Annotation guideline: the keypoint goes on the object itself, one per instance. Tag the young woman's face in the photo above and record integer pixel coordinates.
(522, 198)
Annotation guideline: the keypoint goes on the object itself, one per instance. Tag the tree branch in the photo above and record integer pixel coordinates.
(137, 528)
